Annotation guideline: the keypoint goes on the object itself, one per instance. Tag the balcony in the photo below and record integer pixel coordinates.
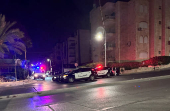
(109, 17)
(110, 30)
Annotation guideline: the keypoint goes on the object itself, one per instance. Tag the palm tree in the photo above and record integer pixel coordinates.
(10, 39)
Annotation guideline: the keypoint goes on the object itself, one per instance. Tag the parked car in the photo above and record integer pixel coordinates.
(39, 75)
(10, 78)
(103, 71)
(77, 74)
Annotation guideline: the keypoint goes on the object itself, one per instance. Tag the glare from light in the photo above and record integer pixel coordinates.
(32, 64)
(48, 60)
(99, 36)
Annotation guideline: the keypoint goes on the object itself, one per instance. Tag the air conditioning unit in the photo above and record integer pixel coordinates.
(139, 29)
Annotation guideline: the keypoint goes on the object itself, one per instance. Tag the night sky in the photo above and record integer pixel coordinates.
(47, 22)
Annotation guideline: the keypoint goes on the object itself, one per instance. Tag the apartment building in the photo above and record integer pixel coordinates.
(75, 49)
(135, 30)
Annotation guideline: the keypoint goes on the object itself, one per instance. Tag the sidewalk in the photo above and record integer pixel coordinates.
(17, 83)
(145, 69)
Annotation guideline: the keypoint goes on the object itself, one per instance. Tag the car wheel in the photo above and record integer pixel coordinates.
(71, 79)
(53, 79)
(92, 78)
(108, 74)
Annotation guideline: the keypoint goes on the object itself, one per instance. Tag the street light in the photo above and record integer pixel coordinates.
(50, 64)
(99, 37)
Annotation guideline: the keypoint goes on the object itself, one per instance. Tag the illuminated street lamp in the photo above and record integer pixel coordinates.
(99, 37)
(50, 64)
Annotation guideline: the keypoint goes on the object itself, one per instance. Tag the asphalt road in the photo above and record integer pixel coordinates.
(152, 95)
(41, 85)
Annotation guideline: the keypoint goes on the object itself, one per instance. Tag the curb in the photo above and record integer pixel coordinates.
(161, 69)
(18, 83)
(51, 92)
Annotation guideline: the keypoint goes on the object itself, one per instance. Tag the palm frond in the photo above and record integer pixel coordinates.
(5, 47)
(9, 25)
(2, 50)
(17, 51)
(19, 45)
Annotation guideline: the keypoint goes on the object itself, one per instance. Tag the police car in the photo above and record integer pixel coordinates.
(39, 75)
(77, 74)
(103, 71)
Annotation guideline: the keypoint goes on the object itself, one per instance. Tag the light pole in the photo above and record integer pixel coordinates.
(99, 37)
(104, 32)
(50, 64)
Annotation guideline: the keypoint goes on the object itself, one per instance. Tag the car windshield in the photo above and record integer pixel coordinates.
(39, 71)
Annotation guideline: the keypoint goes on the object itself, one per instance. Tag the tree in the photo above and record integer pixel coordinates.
(10, 39)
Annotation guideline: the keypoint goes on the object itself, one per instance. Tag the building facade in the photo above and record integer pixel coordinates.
(75, 49)
(135, 30)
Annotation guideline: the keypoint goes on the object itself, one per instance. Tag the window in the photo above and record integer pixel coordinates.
(159, 22)
(169, 38)
(143, 55)
(145, 40)
(159, 52)
(141, 8)
(159, 37)
(143, 25)
(145, 9)
(141, 39)
(160, 7)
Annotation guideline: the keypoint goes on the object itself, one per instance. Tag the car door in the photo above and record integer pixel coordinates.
(86, 72)
(77, 74)
(102, 71)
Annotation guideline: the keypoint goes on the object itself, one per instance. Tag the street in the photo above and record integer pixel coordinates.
(46, 85)
(151, 95)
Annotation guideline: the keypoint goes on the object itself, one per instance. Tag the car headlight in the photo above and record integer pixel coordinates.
(43, 75)
(54, 77)
(65, 75)
(35, 75)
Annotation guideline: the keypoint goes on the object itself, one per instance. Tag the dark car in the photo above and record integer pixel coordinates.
(103, 71)
(77, 74)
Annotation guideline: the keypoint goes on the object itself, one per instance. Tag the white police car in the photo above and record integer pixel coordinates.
(103, 71)
(77, 74)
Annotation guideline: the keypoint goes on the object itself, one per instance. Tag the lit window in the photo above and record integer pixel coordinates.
(141, 39)
(143, 55)
(143, 25)
(145, 40)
